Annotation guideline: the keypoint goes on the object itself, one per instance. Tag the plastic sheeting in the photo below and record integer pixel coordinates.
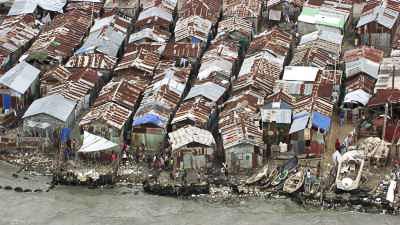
(93, 143)
(321, 121)
(149, 119)
(300, 121)
(357, 96)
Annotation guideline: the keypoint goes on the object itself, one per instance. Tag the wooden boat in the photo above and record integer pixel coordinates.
(294, 182)
(349, 170)
(258, 176)
(267, 182)
(284, 171)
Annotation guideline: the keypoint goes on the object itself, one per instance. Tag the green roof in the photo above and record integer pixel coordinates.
(323, 17)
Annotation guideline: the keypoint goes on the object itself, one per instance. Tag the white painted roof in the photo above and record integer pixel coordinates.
(300, 73)
(20, 77)
(53, 105)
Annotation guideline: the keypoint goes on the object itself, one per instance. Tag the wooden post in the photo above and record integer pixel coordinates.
(385, 121)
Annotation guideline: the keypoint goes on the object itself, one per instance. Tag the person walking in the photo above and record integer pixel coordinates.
(336, 157)
(341, 118)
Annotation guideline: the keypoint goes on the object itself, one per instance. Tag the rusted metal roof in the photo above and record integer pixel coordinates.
(195, 111)
(366, 52)
(141, 59)
(121, 92)
(243, 9)
(275, 40)
(280, 96)
(54, 77)
(63, 35)
(110, 113)
(94, 7)
(207, 9)
(15, 32)
(360, 81)
(384, 96)
(314, 104)
(312, 56)
(92, 60)
(235, 24)
(193, 26)
(181, 50)
(155, 18)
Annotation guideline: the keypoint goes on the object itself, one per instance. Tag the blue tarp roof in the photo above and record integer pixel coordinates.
(149, 119)
(321, 121)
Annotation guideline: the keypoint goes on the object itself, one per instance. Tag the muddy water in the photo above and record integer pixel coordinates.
(76, 205)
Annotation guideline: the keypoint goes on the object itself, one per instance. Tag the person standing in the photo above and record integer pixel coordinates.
(337, 144)
(336, 157)
(341, 118)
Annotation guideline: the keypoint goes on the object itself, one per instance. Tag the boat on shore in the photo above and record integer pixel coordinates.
(294, 182)
(350, 170)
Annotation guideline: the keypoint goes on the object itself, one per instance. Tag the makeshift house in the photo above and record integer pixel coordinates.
(126, 7)
(307, 132)
(138, 62)
(154, 18)
(93, 7)
(236, 28)
(107, 36)
(168, 5)
(21, 7)
(389, 74)
(275, 41)
(57, 42)
(182, 53)
(158, 105)
(313, 56)
(362, 67)
(242, 138)
(18, 88)
(193, 29)
(47, 115)
(53, 78)
(206, 9)
(149, 35)
(258, 73)
(192, 148)
(82, 87)
(17, 33)
(103, 64)
(108, 120)
(324, 15)
(324, 39)
(281, 10)
(195, 112)
(121, 92)
(248, 10)
(378, 23)
(385, 96)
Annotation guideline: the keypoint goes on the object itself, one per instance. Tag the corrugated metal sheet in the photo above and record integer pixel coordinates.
(188, 135)
(209, 90)
(20, 77)
(54, 105)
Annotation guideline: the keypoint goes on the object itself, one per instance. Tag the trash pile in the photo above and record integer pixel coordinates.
(32, 162)
(375, 148)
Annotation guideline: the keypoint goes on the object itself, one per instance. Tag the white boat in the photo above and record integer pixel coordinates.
(258, 176)
(294, 182)
(349, 170)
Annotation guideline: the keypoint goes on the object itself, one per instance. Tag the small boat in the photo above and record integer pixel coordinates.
(258, 176)
(349, 170)
(294, 182)
(284, 171)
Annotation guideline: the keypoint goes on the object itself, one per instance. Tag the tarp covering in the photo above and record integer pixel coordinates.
(321, 121)
(93, 143)
(65, 134)
(300, 121)
(6, 101)
(149, 119)
(357, 96)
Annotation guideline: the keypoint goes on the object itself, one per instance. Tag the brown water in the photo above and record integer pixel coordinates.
(77, 205)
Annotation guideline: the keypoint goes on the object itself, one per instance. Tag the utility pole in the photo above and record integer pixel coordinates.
(385, 121)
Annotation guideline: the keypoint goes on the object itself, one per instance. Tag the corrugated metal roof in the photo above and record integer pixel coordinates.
(300, 122)
(300, 73)
(54, 105)
(94, 61)
(20, 77)
(193, 26)
(188, 135)
(209, 90)
(149, 33)
(111, 113)
(155, 12)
